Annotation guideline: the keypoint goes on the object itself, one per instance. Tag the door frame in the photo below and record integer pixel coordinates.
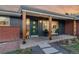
(31, 34)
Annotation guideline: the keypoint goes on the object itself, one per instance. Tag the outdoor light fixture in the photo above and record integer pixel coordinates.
(28, 21)
(40, 21)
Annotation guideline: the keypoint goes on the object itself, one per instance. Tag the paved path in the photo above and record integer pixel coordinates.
(41, 45)
(46, 48)
(34, 41)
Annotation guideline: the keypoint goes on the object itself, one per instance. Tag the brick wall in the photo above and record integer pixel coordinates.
(9, 33)
(77, 27)
(69, 27)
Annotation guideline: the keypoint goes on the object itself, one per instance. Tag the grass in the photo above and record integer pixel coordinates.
(73, 48)
(21, 51)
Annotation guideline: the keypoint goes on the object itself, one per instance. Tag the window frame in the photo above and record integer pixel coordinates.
(6, 20)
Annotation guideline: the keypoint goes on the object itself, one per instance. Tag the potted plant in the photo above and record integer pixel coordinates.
(45, 32)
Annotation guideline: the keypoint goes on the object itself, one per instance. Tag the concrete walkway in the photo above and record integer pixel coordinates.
(47, 48)
(42, 45)
(34, 41)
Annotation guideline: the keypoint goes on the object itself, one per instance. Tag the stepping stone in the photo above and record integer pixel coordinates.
(37, 50)
(50, 50)
(44, 45)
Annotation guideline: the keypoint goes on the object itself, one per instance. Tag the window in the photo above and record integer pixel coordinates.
(34, 22)
(4, 21)
(54, 26)
(45, 24)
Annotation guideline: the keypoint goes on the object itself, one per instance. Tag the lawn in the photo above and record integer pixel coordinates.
(21, 51)
(74, 48)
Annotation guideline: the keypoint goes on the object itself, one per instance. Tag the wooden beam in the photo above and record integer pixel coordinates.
(74, 32)
(24, 24)
(50, 21)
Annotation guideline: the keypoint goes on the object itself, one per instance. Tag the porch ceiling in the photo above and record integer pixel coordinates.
(44, 13)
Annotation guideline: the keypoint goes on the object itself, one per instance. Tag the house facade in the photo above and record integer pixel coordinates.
(27, 22)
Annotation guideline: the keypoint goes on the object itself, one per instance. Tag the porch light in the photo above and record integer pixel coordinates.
(40, 21)
(28, 21)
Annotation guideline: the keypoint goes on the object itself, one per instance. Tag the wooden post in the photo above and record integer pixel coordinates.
(24, 26)
(74, 32)
(50, 21)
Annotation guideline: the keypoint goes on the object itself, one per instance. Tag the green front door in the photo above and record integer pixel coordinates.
(33, 27)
